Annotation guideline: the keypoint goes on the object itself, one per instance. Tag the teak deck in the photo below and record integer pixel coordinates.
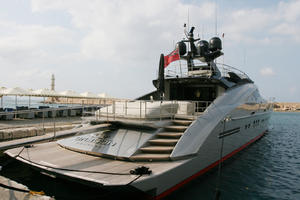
(51, 154)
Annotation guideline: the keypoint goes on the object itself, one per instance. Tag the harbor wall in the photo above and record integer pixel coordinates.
(286, 107)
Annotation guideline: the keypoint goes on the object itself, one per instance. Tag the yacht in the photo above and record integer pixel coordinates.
(197, 117)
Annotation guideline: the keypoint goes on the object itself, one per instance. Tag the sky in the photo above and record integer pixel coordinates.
(113, 46)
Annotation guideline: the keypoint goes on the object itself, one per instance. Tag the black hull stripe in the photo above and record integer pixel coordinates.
(229, 132)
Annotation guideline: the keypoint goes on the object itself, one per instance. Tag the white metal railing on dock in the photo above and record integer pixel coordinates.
(45, 112)
(44, 119)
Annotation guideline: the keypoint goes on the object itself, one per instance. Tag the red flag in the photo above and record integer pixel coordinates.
(173, 56)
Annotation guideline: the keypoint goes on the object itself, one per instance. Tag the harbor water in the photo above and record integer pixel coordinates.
(267, 169)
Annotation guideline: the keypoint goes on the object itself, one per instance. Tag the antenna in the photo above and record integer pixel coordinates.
(185, 31)
(188, 20)
(223, 59)
(216, 17)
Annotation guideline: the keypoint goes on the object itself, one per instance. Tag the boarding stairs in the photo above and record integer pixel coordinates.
(161, 146)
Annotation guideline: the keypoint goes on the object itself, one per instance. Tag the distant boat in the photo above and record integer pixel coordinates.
(159, 142)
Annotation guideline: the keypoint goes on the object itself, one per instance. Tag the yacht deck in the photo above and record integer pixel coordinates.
(51, 154)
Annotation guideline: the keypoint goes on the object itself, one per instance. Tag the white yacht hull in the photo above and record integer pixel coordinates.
(207, 158)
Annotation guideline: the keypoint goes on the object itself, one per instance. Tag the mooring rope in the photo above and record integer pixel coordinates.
(21, 190)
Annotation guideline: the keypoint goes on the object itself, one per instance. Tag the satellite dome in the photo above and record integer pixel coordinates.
(202, 47)
(215, 43)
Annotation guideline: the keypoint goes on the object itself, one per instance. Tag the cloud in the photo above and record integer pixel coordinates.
(122, 39)
(288, 30)
(290, 11)
(32, 73)
(120, 31)
(267, 71)
(264, 25)
(29, 43)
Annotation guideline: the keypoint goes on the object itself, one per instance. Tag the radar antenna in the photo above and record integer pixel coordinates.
(198, 49)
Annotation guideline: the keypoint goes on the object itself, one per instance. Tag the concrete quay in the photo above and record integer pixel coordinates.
(10, 189)
(50, 136)
(286, 107)
(16, 129)
(17, 133)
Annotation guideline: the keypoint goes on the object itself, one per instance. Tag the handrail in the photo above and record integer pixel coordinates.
(147, 109)
(183, 72)
(240, 72)
(37, 110)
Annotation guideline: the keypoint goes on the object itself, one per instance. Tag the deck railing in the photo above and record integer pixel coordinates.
(202, 70)
(51, 120)
(152, 109)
